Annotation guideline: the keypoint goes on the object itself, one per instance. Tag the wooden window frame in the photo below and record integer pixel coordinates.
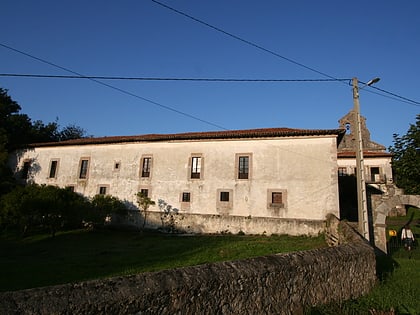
(84, 174)
(106, 187)
(275, 205)
(52, 172)
(194, 167)
(239, 174)
(184, 194)
(146, 167)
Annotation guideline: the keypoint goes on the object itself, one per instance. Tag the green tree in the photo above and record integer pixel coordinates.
(71, 132)
(106, 205)
(41, 206)
(17, 130)
(144, 204)
(406, 159)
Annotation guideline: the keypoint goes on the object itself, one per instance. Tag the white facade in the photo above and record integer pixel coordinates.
(285, 173)
(378, 168)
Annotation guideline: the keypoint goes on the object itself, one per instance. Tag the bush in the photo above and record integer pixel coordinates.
(34, 206)
(103, 206)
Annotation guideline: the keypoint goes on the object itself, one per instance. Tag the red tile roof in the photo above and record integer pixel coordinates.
(207, 135)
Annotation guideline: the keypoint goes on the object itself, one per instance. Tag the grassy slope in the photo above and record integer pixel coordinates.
(81, 255)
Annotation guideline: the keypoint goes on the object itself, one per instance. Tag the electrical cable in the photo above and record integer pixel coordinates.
(116, 88)
(244, 40)
(163, 79)
(400, 98)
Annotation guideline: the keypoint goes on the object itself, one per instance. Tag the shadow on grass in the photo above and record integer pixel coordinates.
(385, 266)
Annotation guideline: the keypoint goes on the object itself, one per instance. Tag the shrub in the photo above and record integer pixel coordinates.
(104, 206)
(33, 206)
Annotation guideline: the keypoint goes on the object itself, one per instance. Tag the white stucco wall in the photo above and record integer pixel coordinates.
(304, 169)
(383, 163)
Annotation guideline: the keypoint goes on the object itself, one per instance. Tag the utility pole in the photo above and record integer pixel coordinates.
(360, 166)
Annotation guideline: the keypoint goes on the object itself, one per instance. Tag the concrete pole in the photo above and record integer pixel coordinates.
(360, 167)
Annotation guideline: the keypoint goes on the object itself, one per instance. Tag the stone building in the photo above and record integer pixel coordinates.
(274, 180)
(377, 164)
(377, 161)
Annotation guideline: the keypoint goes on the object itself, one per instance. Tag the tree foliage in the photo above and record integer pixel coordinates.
(18, 130)
(144, 204)
(104, 206)
(406, 159)
(53, 208)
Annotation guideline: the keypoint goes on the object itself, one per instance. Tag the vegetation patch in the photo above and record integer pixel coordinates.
(78, 255)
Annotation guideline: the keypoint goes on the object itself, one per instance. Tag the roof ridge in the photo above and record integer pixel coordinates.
(225, 134)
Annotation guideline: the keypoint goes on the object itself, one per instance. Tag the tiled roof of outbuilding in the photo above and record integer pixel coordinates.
(207, 135)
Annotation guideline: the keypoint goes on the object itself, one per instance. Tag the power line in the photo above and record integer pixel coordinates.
(400, 98)
(163, 79)
(244, 40)
(389, 95)
(115, 88)
(407, 100)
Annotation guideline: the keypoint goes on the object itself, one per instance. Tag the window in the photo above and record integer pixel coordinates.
(117, 166)
(348, 128)
(25, 169)
(84, 167)
(342, 171)
(53, 169)
(276, 198)
(224, 196)
(186, 197)
(243, 167)
(196, 167)
(144, 192)
(146, 165)
(103, 190)
(375, 174)
(70, 188)
(224, 201)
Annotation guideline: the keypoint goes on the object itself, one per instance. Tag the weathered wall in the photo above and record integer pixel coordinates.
(303, 169)
(275, 284)
(383, 163)
(219, 224)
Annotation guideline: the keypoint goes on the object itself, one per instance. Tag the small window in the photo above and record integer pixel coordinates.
(144, 192)
(375, 174)
(70, 188)
(186, 197)
(196, 167)
(25, 169)
(103, 190)
(117, 166)
(276, 198)
(348, 128)
(84, 166)
(53, 168)
(146, 165)
(224, 196)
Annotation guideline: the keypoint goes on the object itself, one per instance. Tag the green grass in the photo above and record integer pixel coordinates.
(74, 256)
(40, 260)
(398, 286)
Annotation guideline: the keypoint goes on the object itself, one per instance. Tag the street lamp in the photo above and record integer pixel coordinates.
(360, 167)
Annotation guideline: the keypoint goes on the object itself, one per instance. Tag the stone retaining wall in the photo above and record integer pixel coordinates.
(274, 284)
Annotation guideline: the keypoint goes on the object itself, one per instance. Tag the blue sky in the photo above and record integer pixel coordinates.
(342, 39)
